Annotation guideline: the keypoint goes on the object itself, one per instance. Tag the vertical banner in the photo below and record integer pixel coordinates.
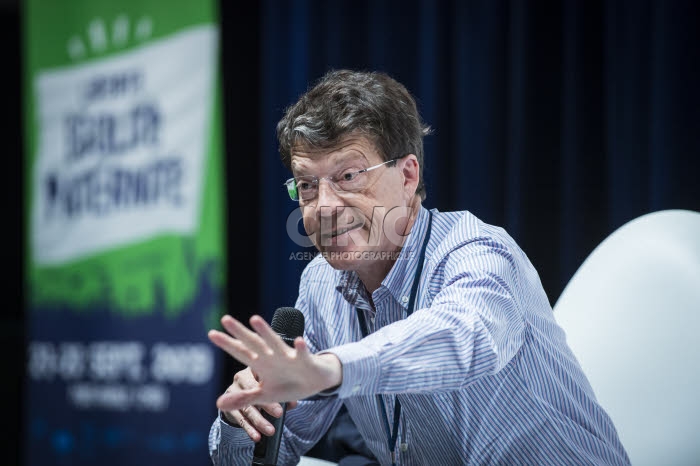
(125, 217)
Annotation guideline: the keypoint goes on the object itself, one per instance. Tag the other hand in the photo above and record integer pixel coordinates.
(250, 418)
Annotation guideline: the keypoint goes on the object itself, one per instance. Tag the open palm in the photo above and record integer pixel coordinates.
(283, 373)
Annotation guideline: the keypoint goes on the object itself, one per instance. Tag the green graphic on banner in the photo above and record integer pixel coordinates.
(124, 216)
(123, 138)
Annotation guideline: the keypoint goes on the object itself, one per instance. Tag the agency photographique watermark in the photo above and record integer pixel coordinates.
(347, 233)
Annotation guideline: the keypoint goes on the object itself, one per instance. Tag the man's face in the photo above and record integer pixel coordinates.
(352, 229)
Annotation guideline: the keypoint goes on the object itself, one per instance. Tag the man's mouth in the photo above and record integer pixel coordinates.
(341, 231)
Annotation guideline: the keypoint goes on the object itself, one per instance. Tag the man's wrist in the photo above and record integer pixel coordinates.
(360, 369)
(332, 370)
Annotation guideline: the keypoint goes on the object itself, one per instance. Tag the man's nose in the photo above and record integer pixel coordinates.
(329, 201)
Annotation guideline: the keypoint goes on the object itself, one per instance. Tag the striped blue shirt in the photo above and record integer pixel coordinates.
(482, 370)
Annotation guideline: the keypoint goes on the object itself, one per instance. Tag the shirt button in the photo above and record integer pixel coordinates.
(356, 389)
(404, 299)
(403, 446)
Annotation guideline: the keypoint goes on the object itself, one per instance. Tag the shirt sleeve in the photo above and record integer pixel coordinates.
(472, 328)
(303, 425)
(229, 445)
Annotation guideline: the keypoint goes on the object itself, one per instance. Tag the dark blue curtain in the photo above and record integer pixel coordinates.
(559, 121)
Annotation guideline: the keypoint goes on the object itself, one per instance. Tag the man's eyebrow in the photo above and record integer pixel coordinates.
(352, 155)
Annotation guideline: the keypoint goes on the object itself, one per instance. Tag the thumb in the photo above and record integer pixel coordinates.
(238, 399)
(302, 349)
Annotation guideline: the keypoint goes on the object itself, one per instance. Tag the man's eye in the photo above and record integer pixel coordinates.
(304, 185)
(348, 176)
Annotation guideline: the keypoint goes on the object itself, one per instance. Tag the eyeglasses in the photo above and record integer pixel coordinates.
(305, 188)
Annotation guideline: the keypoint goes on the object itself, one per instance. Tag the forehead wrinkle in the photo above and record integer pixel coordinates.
(346, 153)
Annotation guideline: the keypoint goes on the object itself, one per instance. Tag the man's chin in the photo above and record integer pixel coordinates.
(341, 259)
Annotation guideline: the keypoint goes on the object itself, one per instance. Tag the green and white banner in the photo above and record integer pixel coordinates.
(124, 220)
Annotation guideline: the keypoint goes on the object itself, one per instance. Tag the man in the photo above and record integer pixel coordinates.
(431, 328)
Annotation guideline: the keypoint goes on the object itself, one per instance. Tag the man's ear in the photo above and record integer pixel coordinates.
(411, 174)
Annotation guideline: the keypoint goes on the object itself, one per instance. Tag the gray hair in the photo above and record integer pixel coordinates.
(344, 102)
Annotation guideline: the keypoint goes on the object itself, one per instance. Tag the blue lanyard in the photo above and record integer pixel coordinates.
(391, 438)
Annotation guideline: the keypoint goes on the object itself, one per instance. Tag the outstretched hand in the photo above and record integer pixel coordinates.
(283, 373)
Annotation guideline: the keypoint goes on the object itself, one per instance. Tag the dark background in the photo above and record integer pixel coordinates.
(559, 121)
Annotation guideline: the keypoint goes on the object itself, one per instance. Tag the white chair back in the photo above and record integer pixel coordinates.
(632, 318)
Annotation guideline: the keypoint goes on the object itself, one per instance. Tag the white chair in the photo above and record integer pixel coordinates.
(631, 314)
(311, 461)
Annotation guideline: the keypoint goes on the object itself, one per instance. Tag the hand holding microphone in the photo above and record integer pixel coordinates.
(255, 420)
(276, 371)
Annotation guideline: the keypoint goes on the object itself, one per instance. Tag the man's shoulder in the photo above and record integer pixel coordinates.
(455, 230)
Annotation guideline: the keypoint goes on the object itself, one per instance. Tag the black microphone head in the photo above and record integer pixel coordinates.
(288, 323)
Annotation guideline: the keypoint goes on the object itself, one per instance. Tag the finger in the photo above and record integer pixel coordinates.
(302, 350)
(249, 338)
(258, 420)
(239, 418)
(238, 399)
(235, 348)
(273, 409)
(271, 338)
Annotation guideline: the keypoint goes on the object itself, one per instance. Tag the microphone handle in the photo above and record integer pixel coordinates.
(266, 450)
(265, 453)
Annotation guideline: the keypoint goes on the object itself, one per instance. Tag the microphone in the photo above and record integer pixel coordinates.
(288, 323)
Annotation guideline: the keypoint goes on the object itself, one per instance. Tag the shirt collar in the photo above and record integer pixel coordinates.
(352, 289)
(399, 280)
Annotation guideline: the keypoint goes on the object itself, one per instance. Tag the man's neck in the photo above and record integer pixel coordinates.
(373, 275)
